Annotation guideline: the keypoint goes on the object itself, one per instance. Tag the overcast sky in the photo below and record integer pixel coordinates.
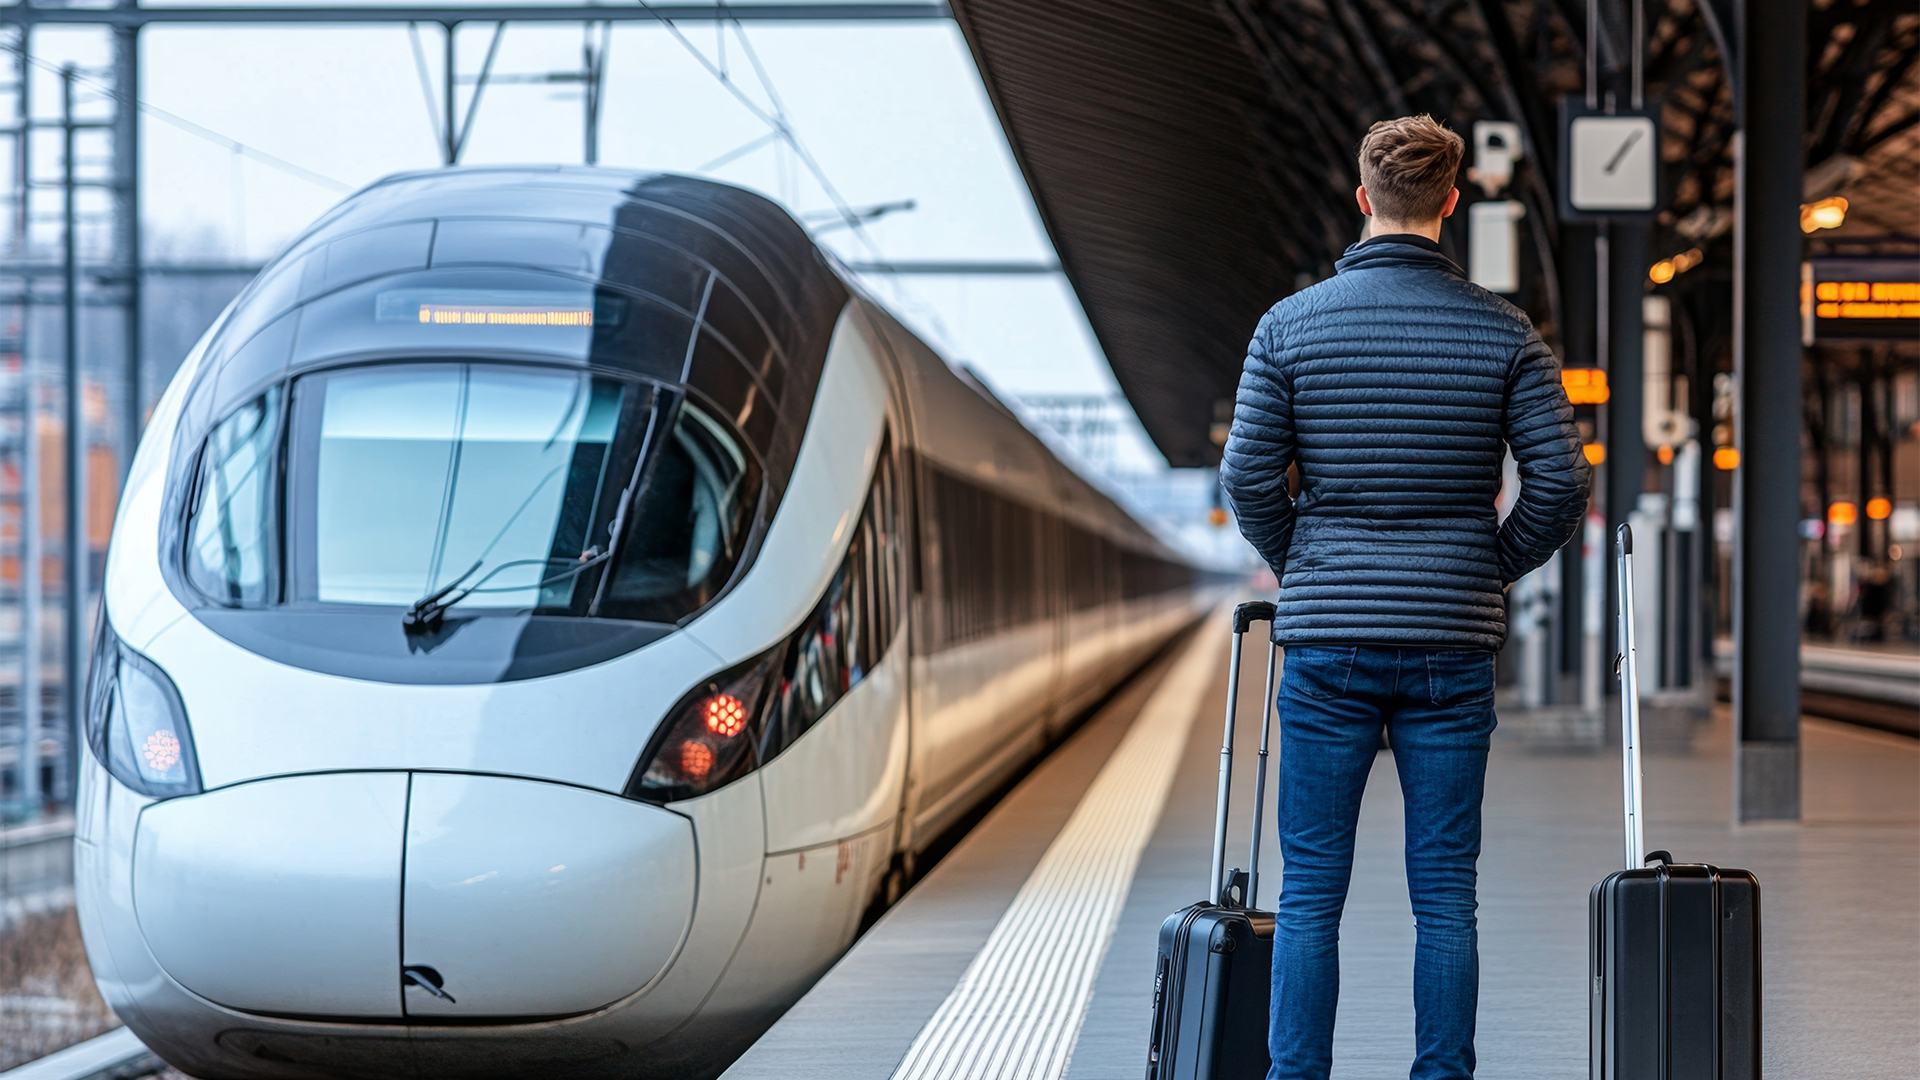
(889, 111)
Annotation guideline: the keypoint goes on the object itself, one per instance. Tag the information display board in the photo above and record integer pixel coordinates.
(1859, 299)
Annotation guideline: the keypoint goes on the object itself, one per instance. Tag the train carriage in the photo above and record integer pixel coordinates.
(547, 610)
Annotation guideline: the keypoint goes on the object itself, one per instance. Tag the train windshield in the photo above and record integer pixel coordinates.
(480, 487)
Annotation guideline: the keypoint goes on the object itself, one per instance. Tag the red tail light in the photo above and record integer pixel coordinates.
(726, 715)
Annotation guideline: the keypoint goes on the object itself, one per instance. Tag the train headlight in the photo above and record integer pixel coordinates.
(136, 723)
(712, 737)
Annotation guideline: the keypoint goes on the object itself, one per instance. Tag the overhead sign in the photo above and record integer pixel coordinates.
(1610, 162)
(1860, 300)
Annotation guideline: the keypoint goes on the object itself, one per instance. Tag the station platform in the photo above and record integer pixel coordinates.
(1028, 951)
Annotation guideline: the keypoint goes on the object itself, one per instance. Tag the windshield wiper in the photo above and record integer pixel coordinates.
(426, 613)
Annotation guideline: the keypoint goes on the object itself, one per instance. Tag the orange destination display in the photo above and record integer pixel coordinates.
(497, 308)
(1859, 300)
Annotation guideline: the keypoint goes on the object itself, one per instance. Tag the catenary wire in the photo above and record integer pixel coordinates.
(236, 146)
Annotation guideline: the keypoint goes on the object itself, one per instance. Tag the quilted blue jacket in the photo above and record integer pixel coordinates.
(1394, 386)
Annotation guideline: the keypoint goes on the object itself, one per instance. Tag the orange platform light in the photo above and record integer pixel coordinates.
(1585, 386)
(1843, 513)
(1596, 452)
(1825, 214)
(1726, 458)
(1217, 517)
(1879, 508)
(1665, 454)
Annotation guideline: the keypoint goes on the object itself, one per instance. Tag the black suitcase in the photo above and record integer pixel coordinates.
(1674, 948)
(1213, 977)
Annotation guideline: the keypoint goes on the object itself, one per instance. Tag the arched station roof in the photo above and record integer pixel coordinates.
(1193, 159)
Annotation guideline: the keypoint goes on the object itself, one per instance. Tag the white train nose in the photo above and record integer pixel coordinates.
(281, 896)
(502, 898)
(532, 899)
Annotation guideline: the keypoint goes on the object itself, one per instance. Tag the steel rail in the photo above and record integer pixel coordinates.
(116, 1055)
(29, 15)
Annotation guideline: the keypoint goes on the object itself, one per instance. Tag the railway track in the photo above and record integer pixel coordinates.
(117, 1055)
(1856, 686)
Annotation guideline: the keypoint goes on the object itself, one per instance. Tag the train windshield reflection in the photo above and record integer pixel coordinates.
(424, 475)
(506, 482)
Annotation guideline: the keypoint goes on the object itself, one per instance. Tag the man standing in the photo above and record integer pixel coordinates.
(1392, 387)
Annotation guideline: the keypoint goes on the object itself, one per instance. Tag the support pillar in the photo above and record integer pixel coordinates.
(74, 618)
(1770, 163)
(1626, 470)
(126, 227)
(1579, 294)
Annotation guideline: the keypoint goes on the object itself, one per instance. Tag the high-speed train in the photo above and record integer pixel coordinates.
(547, 610)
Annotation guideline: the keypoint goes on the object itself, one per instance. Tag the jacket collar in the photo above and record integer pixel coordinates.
(1407, 250)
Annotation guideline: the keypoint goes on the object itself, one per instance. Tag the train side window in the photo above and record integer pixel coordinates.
(688, 525)
(230, 534)
(991, 549)
(848, 633)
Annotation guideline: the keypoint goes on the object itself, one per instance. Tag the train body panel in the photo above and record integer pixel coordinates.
(763, 597)
(845, 777)
(305, 869)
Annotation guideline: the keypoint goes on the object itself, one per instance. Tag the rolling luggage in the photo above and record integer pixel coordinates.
(1213, 977)
(1674, 948)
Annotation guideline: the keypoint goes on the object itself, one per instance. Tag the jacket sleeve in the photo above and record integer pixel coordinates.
(1260, 447)
(1554, 473)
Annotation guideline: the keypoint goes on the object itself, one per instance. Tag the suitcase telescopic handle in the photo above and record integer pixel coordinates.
(1624, 664)
(1244, 616)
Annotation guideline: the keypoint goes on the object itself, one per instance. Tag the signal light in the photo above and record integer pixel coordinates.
(1665, 454)
(696, 760)
(1726, 458)
(710, 738)
(1879, 508)
(162, 751)
(1596, 452)
(1843, 513)
(725, 715)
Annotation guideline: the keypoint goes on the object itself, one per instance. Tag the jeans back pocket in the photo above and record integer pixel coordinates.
(1318, 671)
(1459, 677)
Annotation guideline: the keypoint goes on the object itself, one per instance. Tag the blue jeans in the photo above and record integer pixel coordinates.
(1437, 707)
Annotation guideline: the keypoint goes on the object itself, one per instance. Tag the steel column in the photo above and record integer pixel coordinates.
(32, 554)
(126, 221)
(1770, 163)
(74, 619)
(1626, 467)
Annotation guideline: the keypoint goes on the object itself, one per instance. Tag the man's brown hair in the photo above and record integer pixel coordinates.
(1408, 166)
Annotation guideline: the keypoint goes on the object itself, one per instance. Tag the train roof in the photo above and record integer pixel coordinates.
(687, 281)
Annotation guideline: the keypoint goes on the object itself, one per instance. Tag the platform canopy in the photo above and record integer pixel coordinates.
(1193, 160)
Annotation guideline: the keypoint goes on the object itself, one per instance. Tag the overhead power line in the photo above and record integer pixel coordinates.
(776, 120)
(201, 131)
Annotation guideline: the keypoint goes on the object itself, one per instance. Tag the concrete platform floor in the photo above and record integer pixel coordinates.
(1841, 895)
